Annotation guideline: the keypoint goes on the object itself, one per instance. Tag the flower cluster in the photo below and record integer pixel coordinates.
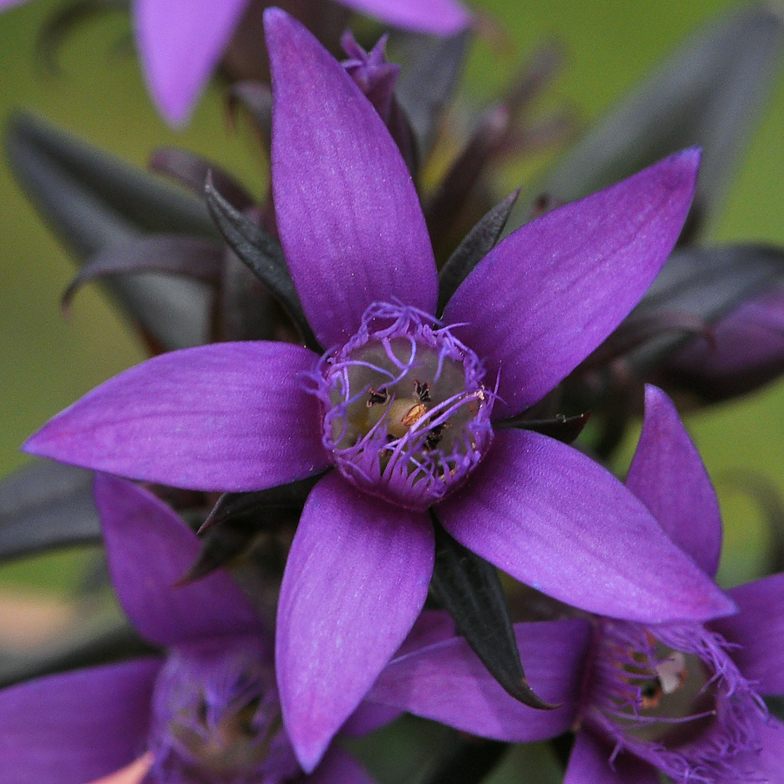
(386, 430)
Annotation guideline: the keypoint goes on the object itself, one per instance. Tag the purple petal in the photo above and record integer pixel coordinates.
(431, 627)
(355, 581)
(590, 763)
(77, 726)
(227, 417)
(349, 216)
(746, 352)
(437, 17)
(149, 548)
(338, 767)
(771, 756)
(668, 476)
(447, 682)
(554, 519)
(180, 44)
(551, 292)
(758, 630)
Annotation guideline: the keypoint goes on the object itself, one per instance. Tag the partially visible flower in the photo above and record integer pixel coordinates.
(402, 406)
(682, 699)
(743, 351)
(208, 711)
(181, 41)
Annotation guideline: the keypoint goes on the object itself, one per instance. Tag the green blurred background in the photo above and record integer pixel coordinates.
(47, 360)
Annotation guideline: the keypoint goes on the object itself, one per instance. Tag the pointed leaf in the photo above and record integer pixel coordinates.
(288, 496)
(474, 247)
(262, 254)
(91, 200)
(193, 257)
(709, 92)
(45, 505)
(562, 428)
(191, 171)
(470, 589)
(431, 68)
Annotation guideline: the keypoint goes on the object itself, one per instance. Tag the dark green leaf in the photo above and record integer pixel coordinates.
(563, 428)
(92, 201)
(709, 92)
(431, 68)
(476, 245)
(192, 257)
(262, 254)
(471, 591)
(46, 505)
(288, 496)
(191, 171)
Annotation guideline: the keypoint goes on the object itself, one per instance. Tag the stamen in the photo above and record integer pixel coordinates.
(406, 415)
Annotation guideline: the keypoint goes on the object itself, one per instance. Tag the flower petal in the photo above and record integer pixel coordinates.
(348, 214)
(552, 291)
(76, 726)
(180, 44)
(758, 631)
(149, 548)
(554, 519)
(447, 682)
(590, 763)
(339, 767)
(431, 627)
(231, 417)
(771, 734)
(355, 560)
(668, 476)
(438, 17)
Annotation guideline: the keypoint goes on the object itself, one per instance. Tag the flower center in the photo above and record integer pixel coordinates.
(406, 416)
(217, 717)
(672, 695)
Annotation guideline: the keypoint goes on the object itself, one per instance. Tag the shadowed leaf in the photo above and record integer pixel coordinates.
(430, 70)
(709, 92)
(476, 245)
(289, 496)
(262, 254)
(190, 256)
(471, 591)
(562, 428)
(91, 200)
(191, 171)
(45, 505)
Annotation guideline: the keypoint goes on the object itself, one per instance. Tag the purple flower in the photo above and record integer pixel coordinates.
(683, 699)
(745, 351)
(208, 711)
(401, 405)
(181, 41)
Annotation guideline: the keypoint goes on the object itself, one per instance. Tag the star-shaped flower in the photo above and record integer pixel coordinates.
(404, 407)
(683, 699)
(206, 711)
